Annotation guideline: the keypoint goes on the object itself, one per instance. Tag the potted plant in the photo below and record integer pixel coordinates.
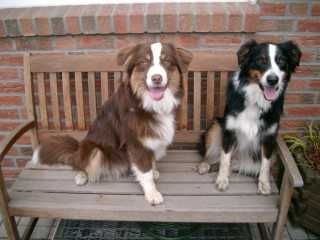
(305, 209)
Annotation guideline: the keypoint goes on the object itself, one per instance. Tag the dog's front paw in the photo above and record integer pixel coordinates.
(222, 183)
(154, 197)
(203, 168)
(264, 187)
(156, 174)
(81, 178)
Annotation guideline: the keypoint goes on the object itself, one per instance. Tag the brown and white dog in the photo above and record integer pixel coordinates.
(134, 127)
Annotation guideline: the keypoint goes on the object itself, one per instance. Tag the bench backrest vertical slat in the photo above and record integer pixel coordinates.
(183, 109)
(29, 97)
(104, 87)
(88, 80)
(42, 100)
(79, 101)
(92, 96)
(196, 101)
(210, 98)
(67, 100)
(54, 100)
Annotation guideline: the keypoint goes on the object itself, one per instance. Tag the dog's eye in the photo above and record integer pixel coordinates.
(143, 63)
(281, 61)
(166, 62)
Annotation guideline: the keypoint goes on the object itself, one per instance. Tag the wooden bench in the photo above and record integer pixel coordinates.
(64, 94)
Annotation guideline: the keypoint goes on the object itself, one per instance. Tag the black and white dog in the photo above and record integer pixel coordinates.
(246, 135)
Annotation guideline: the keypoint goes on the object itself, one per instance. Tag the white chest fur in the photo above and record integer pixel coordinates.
(164, 128)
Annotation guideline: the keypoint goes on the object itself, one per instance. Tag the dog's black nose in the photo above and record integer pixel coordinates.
(156, 79)
(272, 80)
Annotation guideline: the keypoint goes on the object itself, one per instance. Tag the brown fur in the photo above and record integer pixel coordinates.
(113, 144)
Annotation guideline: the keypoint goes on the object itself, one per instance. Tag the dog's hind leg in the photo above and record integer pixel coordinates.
(95, 168)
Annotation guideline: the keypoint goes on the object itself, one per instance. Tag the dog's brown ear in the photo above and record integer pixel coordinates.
(184, 58)
(244, 52)
(125, 54)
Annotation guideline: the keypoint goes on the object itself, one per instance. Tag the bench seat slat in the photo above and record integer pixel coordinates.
(135, 208)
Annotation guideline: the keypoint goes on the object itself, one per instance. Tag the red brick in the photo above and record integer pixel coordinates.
(104, 19)
(8, 74)
(8, 126)
(72, 19)
(296, 84)
(94, 42)
(219, 23)
(314, 84)
(122, 41)
(202, 17)
(292, 124)
(251, 17)
(170, 17)
(57, 20)
(154, 17)
(41, 20)
(185, 17)
(187, 40)
(304, 111)
(88, 19)
(11, 87)
(309, 25)
(304, 40)
(270, 25)
(315, 11)
(267, 38)
(65, 42)
(120, 17)
(25, 21)
(235, 17)
(11, 22)
(10, 100)
(11, 60)
(273, 9)
(299, 98)
(34, 43)
(8, 114)
(309, 70)
(6, 44)
(298, 9)
(212, 40)
(308, 55)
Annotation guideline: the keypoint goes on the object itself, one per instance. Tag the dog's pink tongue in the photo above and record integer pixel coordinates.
(270, 93)
(156, 93)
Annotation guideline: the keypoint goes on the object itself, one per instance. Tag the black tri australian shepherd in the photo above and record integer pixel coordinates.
(244, 139)
(134, 127)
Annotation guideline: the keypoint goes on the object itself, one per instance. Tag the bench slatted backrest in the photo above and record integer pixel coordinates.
(64, 93)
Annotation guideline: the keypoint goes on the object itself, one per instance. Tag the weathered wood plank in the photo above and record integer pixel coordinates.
(210, 97)
(67, 99)
(79, 101)
(100, 62)
(135, 208)
(117, 80)
(42, 100)
(92, 96)
(104, 87)
(196, 101)
(222, 92)
(183, 109)
(54, 100)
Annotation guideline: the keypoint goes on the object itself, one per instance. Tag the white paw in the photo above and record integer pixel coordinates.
(81, 178)
(264, 187)
(156, 174)
(222, 183)
(154, 197)
(203, 168)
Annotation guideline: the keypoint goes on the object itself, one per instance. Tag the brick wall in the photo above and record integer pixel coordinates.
(222, 27)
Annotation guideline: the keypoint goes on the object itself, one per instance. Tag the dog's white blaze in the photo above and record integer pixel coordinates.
(274, 68)
(156, 68)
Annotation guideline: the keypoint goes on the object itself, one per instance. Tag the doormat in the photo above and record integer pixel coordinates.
(98, 230)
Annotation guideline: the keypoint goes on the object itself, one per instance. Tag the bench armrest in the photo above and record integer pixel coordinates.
(289, 163)
(9, 140)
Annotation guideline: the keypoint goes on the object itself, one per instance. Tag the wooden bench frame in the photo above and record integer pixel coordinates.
(106, 62)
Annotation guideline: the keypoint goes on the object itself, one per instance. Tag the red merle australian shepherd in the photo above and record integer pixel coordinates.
(134, 127)
(246, 135)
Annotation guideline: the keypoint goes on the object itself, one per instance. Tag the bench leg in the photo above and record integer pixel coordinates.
(286, 193)
(9, 221)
